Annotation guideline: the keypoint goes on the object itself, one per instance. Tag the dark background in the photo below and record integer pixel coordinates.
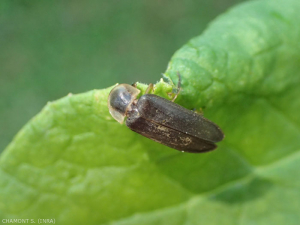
(51, 48)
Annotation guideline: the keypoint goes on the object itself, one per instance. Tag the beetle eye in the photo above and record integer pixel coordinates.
(119, 99)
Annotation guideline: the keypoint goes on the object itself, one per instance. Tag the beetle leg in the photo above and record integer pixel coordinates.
(149, 88)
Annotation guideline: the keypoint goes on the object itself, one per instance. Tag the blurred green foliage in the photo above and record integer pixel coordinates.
(51, 48)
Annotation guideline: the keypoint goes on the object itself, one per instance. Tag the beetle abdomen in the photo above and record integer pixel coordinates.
(168, 136)
(166, 113)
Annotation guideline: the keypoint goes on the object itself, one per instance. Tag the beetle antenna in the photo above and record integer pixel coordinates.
(178, 87)
(179, 82)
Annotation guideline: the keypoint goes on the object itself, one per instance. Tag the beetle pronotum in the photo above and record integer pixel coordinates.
(163, 121)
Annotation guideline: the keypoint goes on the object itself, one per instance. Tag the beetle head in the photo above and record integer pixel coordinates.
(120, 99)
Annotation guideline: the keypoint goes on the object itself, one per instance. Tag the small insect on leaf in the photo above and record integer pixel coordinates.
(163, 121)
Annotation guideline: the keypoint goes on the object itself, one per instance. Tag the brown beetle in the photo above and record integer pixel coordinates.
(163, 121)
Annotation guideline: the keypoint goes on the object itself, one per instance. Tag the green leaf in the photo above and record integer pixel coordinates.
(75, 164)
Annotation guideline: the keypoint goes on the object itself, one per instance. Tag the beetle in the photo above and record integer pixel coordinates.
(162, 120)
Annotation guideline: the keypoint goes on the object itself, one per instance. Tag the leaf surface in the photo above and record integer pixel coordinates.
(74, 163)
